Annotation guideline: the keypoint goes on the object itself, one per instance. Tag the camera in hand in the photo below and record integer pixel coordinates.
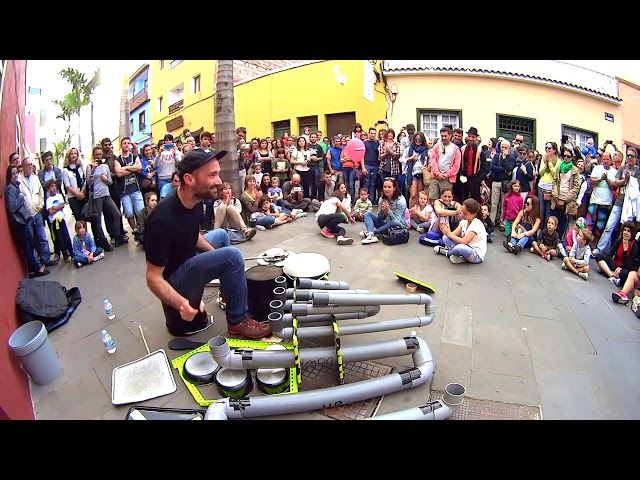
(297, 189)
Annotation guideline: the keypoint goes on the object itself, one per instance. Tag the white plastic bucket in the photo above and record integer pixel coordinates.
(31, 345)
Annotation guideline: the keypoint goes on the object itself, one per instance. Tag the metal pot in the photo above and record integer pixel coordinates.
(234, 383)
(200, 369)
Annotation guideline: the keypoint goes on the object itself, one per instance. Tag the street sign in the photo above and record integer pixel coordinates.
(608, 117)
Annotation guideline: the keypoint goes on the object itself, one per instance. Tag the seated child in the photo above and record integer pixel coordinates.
(488, 223)
(362, 206)
(421, 213)
(331, 214)
(59, 233)
(547, 242)
(268, 215)
(257, 172)
(570, 239)
(275, 192)
(580, 254)
(84, 248)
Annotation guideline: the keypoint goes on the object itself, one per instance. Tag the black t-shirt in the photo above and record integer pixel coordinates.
(317, 151)
(171, 234)
(371, 152)
(128, 184)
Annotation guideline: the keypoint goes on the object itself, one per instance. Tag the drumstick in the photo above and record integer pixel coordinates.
(144, 340)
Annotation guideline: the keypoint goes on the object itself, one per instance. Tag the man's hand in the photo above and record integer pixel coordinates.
(187, 312)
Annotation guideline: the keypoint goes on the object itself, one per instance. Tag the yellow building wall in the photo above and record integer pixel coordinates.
(630, 116)
(287, 95)
(481, 98)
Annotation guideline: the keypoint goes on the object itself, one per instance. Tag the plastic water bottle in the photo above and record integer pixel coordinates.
(109, 309)
(108, 341)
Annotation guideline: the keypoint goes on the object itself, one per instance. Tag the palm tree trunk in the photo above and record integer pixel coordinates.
(225, 124)
(124, 130)
(93, 135)
(79, 131)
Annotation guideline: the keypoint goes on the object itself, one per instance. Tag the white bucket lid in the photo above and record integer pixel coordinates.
(306, 265)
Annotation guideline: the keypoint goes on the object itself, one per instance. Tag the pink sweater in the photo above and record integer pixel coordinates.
(513, 203)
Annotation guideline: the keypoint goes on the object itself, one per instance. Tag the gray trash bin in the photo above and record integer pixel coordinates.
(31, 345)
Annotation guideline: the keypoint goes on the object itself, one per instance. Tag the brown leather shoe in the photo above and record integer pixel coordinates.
(249, 329)
(249, 233)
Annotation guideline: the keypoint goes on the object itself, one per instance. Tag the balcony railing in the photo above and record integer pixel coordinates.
(175, 107)
(138, 99)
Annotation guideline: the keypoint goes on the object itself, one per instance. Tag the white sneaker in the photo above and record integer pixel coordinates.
(79, 265)
(99, 257)
(362, 234)
(532, 250)
(441, 250)
(261, 228)
(344, 240)
(456, 259)
(370, 238)
(301, 214)
(419, 229)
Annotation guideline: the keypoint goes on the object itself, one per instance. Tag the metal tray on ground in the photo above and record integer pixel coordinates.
(143, 379)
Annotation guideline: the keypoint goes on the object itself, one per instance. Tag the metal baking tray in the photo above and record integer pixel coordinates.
(143, 379)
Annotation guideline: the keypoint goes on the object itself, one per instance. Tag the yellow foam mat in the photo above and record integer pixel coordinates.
(178, 364)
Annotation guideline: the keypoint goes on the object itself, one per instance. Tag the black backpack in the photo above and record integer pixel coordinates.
(47, 301)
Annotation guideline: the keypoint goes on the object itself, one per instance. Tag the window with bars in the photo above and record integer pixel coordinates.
(579, 135)
(431, 122)
(142, 124)
(281, 127)
(160, 104)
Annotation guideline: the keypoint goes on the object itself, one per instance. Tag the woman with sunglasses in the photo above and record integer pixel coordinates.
(417, 159)
(547, 176)
(391, 212)
(525, 227)
(564, 191)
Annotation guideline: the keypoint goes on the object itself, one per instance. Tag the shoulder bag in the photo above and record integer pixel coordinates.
(395, 236)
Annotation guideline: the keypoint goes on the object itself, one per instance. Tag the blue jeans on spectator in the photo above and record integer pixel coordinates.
(315, 180)
(524, 242)
(40, 237)
(132, 204)
(190, 278)
(460, 249)
(370, 180)
(612, 222)
(83, 260)
(24, 238)
(349, 176)
(161, 183)
(266, 221)
(377, 224)
(545, 207)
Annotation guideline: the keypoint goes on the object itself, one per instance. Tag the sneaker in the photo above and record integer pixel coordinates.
(99, 257)
(108, 248)
(370, 238)
(456, 259)
(615, 281)
(344, 240)
(517, 249)
(121, 241)
(67, 259)
(547, 257)
(249, 233)
(508, 246)
(261, 228)
(51, 263)
(620, 297)
(249, 328)
(532, 250)
(326, 233)
(78, 265)
(301, 214)
(564, 266)
(439, 249)
(193, 329)
(208, 324)
(419, 229)
(583, 275)
(362, 234)
(595, 252)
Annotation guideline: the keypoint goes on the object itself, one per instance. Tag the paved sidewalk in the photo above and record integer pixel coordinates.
(512, 329)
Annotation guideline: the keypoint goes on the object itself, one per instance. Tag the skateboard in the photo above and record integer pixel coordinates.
(419, 283)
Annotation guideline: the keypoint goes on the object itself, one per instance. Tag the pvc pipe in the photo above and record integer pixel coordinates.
(246, 359)
(323, 299)
(287, 318)
(276, 306)
(298, 309)
(436, 410)
(279, 293)
(321, 284)
(251, 407)
(281, 281)
(306, 295)
(286, 333)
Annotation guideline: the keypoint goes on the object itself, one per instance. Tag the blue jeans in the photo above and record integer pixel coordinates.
(189, 280)
(266, 221)
(460, 249)
(370, 180)
(82, 259)
(315, 181)
(132, 204)
(545, 208)
(349, 176)
(161, 183)
(524, 242)
(377, 224)
(40, 237)
(612, 222)
(24, 238)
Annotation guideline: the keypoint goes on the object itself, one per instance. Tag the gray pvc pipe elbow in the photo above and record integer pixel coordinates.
(435, 410)
(322, 284)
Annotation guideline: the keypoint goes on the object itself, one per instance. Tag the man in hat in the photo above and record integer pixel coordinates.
(473, 169)
(180, 261)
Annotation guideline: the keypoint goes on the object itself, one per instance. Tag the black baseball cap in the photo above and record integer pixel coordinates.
(196, 158)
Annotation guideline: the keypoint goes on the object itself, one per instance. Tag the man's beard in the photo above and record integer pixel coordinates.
(204, 193)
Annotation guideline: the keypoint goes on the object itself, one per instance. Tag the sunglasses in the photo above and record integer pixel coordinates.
(528, 204)
(568, 156)
(548, 148)
(107, 144)
(630, 155)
